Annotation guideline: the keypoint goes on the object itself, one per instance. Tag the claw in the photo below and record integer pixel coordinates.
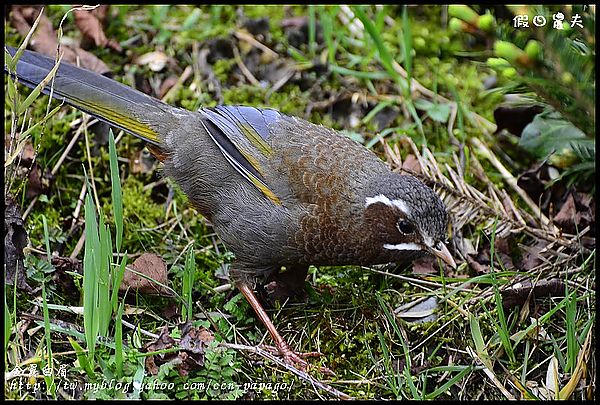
(293, 358)
(289, 356)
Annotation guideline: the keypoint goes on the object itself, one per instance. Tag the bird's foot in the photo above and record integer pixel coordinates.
(297, 360)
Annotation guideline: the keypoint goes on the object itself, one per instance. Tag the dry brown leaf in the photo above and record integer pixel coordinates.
(90, 24)
(45, 39)
(576, 213)
(15, 239)
(155, 271)
(194, 342)
(164, 341)
(411, 164)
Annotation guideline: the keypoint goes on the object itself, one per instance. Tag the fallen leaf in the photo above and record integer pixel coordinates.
(142, 162)
(576, 213)
(194, 342)
(531, 258)
(163, 342)
(154, 269)
(476, 266)
(15, 240)
(45, 41)
(37, 183)
(61, 277)
(420, 312)
(539, 185)
(411, 164)
(90, 24)
(517, 294)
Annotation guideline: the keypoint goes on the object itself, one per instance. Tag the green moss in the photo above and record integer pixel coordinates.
(222, 69)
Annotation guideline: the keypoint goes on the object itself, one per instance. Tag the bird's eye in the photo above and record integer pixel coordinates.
(405, 227)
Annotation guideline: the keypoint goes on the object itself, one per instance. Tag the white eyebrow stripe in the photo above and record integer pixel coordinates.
(380, 198)
(402, 246)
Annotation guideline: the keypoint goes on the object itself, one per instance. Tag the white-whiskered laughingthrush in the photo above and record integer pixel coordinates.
(279, 191)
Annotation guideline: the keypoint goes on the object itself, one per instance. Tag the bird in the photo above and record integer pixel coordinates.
(280, 192)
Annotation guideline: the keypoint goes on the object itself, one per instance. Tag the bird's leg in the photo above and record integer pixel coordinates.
(288, 354)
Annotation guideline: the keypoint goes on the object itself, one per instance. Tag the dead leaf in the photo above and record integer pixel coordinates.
(61, 277)
(194, 342)
(154, 269)
(90, 23)
(531, 258)
(164, 341)
(26, 154)
(15, 240)
(45, 41)
(411, 165)
(476, 266)
(142, 162)
(576, 213)
(37, 182)
(419, 312)
(539, 185)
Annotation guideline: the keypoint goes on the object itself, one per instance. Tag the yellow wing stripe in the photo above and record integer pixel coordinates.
(265, 190)
(255, 139)
(126, 122)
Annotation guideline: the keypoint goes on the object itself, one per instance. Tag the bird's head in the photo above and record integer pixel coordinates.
(408, 218)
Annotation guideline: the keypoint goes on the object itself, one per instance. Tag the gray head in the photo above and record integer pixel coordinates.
(408, 217)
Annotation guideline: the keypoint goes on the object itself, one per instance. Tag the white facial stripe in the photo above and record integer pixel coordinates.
(380, 198)
(402, 246)
(377, 199)
(401, 205)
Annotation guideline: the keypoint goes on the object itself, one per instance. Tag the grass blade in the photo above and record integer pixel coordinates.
(117, 195)
(188, 284)
(49, 379)
(91, 261)
(119, 341)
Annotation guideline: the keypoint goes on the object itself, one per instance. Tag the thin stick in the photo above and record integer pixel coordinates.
(243, 68)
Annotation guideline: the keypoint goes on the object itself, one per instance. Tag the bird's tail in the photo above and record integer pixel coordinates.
(100, 96)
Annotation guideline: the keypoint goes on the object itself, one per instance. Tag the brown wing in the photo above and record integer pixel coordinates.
(326, 172)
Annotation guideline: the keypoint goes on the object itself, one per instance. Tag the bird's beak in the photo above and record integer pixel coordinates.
(444, 254)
